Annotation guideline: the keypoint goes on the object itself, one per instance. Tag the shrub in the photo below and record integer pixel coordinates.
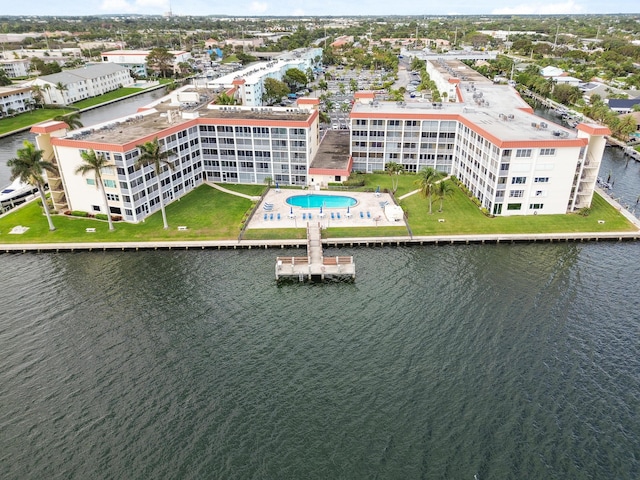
(101, 216)
(79, 213)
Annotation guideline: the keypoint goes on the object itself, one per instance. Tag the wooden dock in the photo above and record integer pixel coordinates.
(315, 266)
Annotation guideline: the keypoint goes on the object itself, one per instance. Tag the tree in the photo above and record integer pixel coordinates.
(427, 177)
(394, 169)
(4, 78)
(61, 87)
(323, 85)
(295, 79)
(96, 163)
(443, 189)
(225, 99)
(30, 168)
(71, 119)
(161, 59)
(274, 90)
(150, 154)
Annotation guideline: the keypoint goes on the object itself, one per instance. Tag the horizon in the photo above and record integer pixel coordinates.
(317, 8)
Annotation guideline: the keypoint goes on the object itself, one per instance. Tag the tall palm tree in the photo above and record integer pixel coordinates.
(95, 163)
(61, 87)
(443, 189)
(394, 168)
(29, 167)
(427, 178)
(150, 154)
(71, 119)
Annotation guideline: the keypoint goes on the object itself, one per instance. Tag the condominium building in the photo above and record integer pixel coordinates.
(15, 99)
(208, 142)
(513, 161)
(248, 83)
(71, 86)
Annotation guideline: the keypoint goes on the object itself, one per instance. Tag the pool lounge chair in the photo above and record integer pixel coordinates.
(310, 217)
(278, 217)
(265, 216)
(361, 214)
(271, 216)
(333, 216)
(304, 216)
(338, 215)
(368, 214)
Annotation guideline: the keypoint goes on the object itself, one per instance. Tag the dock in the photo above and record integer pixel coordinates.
(315, 266)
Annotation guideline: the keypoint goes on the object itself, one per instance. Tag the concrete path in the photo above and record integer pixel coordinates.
(231, 192)
(418, 190)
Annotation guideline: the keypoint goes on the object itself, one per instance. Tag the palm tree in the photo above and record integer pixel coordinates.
(443, 189)
(393, 168)
(71, 119)
(427, 177)
(150, 154)
(29, 167)
(61, 87)
(47, 90)
(95, 163)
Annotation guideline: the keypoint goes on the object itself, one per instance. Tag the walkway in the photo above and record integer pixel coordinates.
(231, 192)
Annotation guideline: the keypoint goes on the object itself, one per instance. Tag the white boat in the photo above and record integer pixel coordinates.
(16, 192)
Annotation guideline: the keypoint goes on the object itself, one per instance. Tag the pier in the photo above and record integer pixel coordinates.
(315, 266)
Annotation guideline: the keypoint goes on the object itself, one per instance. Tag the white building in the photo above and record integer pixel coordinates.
(249, 82)
(136, 60)
(16, 68)
(15, 99)
(216, 143)
(81, 83)
(514, 162)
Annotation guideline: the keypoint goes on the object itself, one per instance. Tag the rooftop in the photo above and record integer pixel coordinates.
(497, 109)
(333, 152)
(169, 112)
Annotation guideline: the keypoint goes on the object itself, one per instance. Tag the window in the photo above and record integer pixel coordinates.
(514, 206)
(523, 153)
(516, 193)
(541, 179)
(109, 183)
(112, 197)
(536, 206)
(518, 180)
(547, 151)
(95, 208)
(91, 181)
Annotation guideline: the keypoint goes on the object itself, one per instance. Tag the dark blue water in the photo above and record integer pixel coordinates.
(493, 361)
(438, 362)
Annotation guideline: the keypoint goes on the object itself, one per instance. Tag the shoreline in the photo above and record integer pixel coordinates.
(436, 240)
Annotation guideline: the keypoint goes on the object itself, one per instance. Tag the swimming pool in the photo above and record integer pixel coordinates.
(317, 201)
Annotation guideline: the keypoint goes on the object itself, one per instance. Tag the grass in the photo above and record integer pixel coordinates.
(106, 97)
(207, 213)
(210, 214)
(24, 120)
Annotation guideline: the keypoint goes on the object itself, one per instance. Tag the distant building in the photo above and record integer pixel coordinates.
(622, 105)
(15, 99)
(342, 41)
(136, 60)
(81, 83)
(16, 68)
(248, 83)
(551, 71)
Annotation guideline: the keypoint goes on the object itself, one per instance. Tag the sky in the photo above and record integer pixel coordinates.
(319, 7)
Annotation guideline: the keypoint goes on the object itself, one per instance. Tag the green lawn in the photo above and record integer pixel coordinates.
(107, 97)
(214, 215)
(206, 212)
(27, 119)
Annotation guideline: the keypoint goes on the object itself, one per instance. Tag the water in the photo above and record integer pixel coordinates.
(501, 361)
(317, 201)
(438, 362)
(9, 145)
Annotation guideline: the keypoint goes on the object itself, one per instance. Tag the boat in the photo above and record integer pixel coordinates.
(16, 192)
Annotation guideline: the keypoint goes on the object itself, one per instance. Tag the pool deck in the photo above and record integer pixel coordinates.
(369, 204)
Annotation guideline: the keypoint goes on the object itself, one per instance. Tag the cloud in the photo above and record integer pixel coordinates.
(544, 9)
(137, 6)
(117, 6)
(258, 7)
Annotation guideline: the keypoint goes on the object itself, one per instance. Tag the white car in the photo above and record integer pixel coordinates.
(335, 126)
